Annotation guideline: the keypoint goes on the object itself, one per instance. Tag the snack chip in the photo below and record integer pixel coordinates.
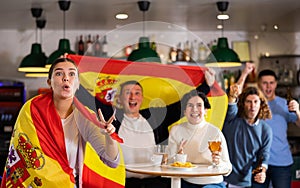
(184, 165)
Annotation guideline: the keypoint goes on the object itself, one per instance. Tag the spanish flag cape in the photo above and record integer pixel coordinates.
(37, 154)
(162, 84)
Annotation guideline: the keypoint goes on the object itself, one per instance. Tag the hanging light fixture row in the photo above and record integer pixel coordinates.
(36, 64)
(36, 60)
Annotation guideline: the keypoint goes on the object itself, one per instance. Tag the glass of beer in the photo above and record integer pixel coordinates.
(214, 146)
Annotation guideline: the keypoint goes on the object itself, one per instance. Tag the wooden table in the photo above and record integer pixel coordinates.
(175, 173)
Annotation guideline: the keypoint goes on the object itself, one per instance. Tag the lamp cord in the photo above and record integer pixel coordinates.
(64, 32)
(36, 34)
(41, 37)
(143, 23)
(222, 30)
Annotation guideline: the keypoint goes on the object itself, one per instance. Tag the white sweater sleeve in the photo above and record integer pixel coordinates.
(93, 134)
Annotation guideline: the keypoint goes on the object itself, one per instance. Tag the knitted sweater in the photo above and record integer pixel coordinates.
(196, 148)
(246, 144)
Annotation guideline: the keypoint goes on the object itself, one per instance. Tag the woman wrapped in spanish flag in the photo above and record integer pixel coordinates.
(57, 142)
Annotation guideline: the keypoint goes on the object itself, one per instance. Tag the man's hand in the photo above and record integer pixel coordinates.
(210, 76)
(235, 90)
(248, 68)
(260, 177)
(293, 106)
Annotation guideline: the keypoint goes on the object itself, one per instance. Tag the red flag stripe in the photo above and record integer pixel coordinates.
(93, 180)
(49, 130)
(191, 75)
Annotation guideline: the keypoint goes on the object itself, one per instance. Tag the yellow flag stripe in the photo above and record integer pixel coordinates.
(93, 161)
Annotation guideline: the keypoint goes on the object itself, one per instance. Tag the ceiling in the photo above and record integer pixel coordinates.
(245, 15)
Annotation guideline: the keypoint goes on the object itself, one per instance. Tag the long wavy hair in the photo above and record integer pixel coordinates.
(264, 111)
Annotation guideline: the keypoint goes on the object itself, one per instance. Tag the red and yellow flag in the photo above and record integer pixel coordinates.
(37, 154)
(162, 84)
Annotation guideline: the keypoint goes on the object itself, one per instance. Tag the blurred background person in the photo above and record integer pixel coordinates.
(283, 112)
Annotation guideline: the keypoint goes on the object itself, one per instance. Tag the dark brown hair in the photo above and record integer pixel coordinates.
(194, 93)
(267, 72)
(130, 82)
(264, 111)
(59, 60)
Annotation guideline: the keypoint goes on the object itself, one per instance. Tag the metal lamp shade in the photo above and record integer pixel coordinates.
(63, 47)
(144, 53)
(35, 61)
(223, 56)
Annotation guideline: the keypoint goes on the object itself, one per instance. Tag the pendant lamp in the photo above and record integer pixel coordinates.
(144, 53)
(223, 56)
(36, 60)
(64, 44)
(36, 74)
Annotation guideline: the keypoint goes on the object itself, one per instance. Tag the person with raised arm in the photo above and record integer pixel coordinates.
(247, 134)
(51, 134)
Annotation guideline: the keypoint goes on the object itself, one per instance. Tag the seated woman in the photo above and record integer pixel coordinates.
(195, 134)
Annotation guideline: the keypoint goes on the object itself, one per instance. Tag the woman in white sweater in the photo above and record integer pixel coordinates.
(197, 132)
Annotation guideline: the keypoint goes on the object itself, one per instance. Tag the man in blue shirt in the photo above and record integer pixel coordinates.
(247, 134)
(279, 171)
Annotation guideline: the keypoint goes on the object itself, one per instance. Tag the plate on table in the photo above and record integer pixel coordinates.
(182, 166)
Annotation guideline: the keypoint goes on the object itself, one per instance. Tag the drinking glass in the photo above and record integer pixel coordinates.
(214, 145)
(162, 150)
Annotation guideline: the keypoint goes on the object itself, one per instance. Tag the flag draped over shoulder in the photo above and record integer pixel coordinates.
(162, 84)
(37, 154)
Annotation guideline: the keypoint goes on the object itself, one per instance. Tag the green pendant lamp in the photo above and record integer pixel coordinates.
(36, 60)
(144, 53)
(63, 47)
(223, 56)
(64, 44)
